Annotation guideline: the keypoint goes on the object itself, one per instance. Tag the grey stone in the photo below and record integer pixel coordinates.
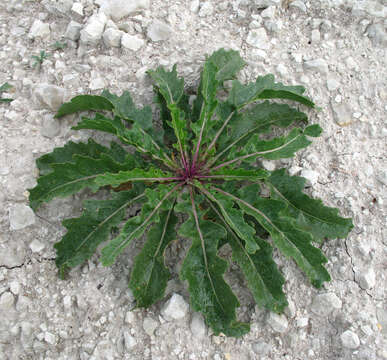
(311, 176)
(206, 9)
(50, 338)
(350, 340)
(194, 7)
(39, 29)
(366, 278)
(279, 323)
(265, 3)
(73, 31)
(341, 113)
(50, 95)
(132, 42)
(20, 216)
(261, 348)
(10, 257)
(150, 325)
(324, 304)
(381, 314)
(258, 38)
(118, 9)
(112, 37)
(377, 34)
(373, 8)
(159, 31)
(269, 12)
(97, 83)
(130, 341)
(6, 301)
(318, 65)
(298, 4)
(197, 326)
(92, 32)
(58, 7)
(332, 84)
(77, 10)
(50, 126)
(302, 322)
(175, 308)
(36, 246)
(272, 26)
(315, 37)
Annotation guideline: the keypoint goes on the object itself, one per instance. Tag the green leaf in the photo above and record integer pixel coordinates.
(85, 233)
(135, 226)
(313, 130)
(234, 219)
(151, 175)
(204, 270)
(149, 277)
(227, 62)
(237, 174)
(291, 241)
(125, 109)
(265, 88)
(261, 272)
(172, 89)
(311, 214)
(70, 177)
(91, 149)
(5, 87)
(84, 103)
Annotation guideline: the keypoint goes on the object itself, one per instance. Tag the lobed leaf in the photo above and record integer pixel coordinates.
(74, 175)
(204, 270)
(289, 239)
(311, 214)
(149, 277)
(93, 227)
(135, 226)
(84, 103)
(265, 88)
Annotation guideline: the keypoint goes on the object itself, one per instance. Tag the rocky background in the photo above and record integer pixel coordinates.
(335, 48)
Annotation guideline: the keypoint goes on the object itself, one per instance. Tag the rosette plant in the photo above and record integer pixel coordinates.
(201, 163)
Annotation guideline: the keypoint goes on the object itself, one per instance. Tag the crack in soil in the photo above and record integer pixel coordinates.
(28, 262)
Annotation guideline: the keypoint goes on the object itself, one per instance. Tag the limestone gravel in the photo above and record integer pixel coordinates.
(88, 316)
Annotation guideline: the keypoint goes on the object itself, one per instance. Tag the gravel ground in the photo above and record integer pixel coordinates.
(335, 48)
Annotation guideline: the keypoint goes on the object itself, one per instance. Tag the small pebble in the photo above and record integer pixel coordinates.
(350, 340)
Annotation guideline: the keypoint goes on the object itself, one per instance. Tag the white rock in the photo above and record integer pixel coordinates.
(175, 308)
(50, 126)
(112, 37)
(118, 9)
(268, 165)
(265, 3)
(373, 8)
(206, 9)
(351, 63)
(332, 84)
(315, 37)
(6, 301)
(58, 7)
(302, 322)
(36, 246)
(377, 34)
(195, 6)
(132, 42)
(324, 304)
(269, 12)
(159, 31)
(111, 24)
(319, 65)
(311, 176)
(366, 279)
(261, 348)
(282, 70)
(92, 32)
(273, 26)
(49, 338)
(258, 38)
(298, 4)
(14, 286)
(20, 216)
(290, 310)
(279, 323)
(350, 340)
(130, 317)
(97, 83)
(73, 31)
(260, 54)
(130, 341)
(341, 112)
(39, 29)
(77, 9)
(197, 326)
(50, 95)
(150, 325)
